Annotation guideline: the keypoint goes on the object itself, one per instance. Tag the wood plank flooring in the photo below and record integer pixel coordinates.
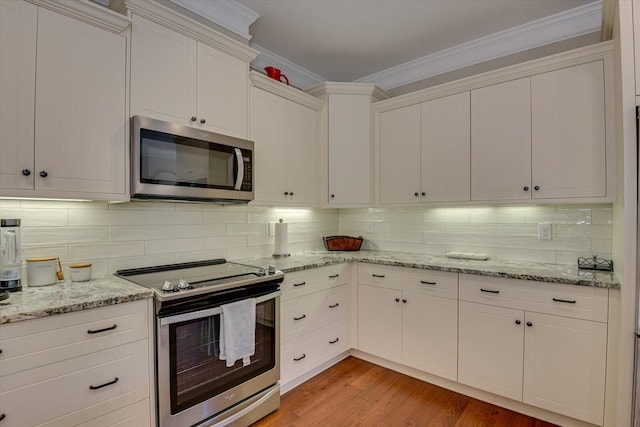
(358, 393)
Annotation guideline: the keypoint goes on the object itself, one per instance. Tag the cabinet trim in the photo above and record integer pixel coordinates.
(87, 12)
(332, 88)
(190, 28)
(273, 86)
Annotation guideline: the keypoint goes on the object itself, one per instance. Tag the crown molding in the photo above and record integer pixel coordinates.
(572, 23)
(333, 88)
(169, 18)
(298, 76)
(89, 12)
(277, 88)
(570, 58)
(228, 14)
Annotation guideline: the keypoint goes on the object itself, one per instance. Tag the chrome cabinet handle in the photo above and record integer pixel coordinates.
(489, 291)
(334, 341)
(424, 282)
(297, 359)
(334, 305)
(97, 331)
(299, 284)
(26, 172)
(300, 317)
(572, 301)
(96, 387)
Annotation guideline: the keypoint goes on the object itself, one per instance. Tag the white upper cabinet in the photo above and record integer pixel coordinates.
(71, 141)
(501, 141)
(184, 72)
(284, 128)
(568, 128)
(424, 152)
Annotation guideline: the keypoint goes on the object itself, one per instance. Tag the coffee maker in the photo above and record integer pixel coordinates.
(10, 255)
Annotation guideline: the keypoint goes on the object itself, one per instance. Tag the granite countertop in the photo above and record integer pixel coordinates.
(550, 273)
(66, 297)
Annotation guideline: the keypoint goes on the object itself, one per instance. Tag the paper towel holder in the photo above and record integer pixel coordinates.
(281, 255)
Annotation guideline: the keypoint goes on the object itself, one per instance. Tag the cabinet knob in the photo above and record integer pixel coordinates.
(526, 188)
(404, 300)
(333, 196)
(416, 194)
(529, 324)
(26, 172)
(43, 174)
(423, 194)
(194, 118)
(291, 194)
(2, 417)
(286, 193)
(203, 121)
(518, 322)
(397, 299)
(537, 187)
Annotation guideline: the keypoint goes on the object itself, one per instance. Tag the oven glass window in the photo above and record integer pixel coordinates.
(197, 373)
(174, 160)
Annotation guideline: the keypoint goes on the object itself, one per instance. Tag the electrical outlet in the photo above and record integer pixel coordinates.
(544, 231)
(272, 228)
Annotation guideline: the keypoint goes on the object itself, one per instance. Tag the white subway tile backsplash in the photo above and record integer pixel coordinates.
(60, 251)
(453, 215)
(527, 255)
(37, 217)
(172, 246)
(245, 229)
(517, 229)
(142, 232)
(224, 242)
(105, 217)
(38, 236)
(173, 217)
(562, 244)
(124, 263)
(9, 204)
(200, 230)
(470, 229)
(601, 216)
(106, 250)
(584, 231)
(505, 215)
(224, 217)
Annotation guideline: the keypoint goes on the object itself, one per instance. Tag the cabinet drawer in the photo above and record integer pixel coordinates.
(310, 312)
(307, 352)
(305, 282)
(580, 302)
(137, 415)
(429, 282)
(63, 388)
(34, 343)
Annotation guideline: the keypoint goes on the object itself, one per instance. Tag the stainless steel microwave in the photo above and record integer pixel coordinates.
(183, 163)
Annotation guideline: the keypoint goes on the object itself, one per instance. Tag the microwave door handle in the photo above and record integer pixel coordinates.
(240, 176)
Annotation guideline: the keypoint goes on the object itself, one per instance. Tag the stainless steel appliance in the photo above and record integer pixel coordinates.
(183, 163)
(193, 386)
(10, 255)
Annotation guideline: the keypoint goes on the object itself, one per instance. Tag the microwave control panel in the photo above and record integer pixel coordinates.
(247, 181)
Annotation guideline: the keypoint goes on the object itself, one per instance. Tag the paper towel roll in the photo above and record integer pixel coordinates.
(281, 239)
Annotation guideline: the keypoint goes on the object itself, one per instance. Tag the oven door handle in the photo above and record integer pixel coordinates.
(209, 311)
(240, 163)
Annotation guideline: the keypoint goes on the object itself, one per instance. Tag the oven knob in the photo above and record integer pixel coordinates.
(168, 286)
(272, 270)
(262, 271)
(183, 284)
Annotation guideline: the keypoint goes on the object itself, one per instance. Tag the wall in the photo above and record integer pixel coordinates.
(503, 232)
(137, 234)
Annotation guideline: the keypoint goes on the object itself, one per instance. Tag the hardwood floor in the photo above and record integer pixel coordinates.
(359, 393)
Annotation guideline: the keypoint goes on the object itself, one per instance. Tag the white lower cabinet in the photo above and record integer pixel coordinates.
(554, 359)
(409, 316)
(314, 320)
(77, 368)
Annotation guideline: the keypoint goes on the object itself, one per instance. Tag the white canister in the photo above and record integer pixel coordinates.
(80, 272)
(42, 271)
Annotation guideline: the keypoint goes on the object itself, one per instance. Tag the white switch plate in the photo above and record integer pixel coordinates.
(544, 231)
(272, 228)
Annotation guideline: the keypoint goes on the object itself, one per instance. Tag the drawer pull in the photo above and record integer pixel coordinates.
(299, 284)
(334, 305)
(2, 417)
(572, 301)
(334, 341)
(427, 283)
(490, 291)
(96, 387)
(300, 318)
(518, 322)
(97, 331)
(334, 276)
(529, 324)
(297, 359)
(378, 275)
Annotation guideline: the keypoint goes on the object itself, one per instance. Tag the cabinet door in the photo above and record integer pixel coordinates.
(268, 116)
(18, 22)
(163, 72)
(349, 149)
(568, 128)
(490, 349)
(302, 154)
(222, 92)
(80, 138)
(445, 135)
(399, 153)
(564, 366)
(380, 322)
(430, 334)
(501, 141)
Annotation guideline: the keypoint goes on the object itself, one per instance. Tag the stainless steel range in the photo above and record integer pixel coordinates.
(194, 387)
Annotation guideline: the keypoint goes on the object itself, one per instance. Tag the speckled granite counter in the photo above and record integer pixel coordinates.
(66, 297)
(549, 273)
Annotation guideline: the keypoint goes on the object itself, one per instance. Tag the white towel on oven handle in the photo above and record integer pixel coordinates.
(238, 331)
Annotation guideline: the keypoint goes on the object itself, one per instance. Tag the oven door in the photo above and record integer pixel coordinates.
(193, 384)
